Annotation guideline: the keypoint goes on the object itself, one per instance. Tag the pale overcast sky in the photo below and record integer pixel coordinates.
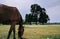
(52, 7)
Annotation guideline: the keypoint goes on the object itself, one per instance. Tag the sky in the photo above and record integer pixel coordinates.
(52, 7)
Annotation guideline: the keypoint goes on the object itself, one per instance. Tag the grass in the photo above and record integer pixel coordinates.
(34, 31)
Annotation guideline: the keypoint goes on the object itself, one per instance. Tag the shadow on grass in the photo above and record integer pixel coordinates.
(50, 36)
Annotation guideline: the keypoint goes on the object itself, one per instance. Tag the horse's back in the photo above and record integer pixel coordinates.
(8, 13)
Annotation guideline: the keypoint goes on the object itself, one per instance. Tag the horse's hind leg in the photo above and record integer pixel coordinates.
(9, 32)
(12, 28)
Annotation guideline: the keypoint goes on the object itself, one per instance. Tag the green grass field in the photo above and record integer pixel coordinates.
(34, 31)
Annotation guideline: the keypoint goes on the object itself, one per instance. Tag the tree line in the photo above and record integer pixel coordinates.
(38, 14)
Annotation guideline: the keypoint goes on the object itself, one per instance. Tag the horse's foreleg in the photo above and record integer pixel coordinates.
(20, 32)
(9, 32)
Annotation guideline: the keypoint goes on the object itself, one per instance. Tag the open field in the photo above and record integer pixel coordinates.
(34, 31)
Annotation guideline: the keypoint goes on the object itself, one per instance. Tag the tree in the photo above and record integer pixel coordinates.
(28, 18)
(37, 14)
(43, 16)
(35, 8)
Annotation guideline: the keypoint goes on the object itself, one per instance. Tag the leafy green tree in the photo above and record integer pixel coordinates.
(30, 18)
(36, 11)
(26, 18)
(35, 8)
(43, 16)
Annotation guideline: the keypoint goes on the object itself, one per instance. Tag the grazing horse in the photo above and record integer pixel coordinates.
(11, 15)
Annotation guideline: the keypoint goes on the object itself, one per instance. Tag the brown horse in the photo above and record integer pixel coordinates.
(12, 15)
